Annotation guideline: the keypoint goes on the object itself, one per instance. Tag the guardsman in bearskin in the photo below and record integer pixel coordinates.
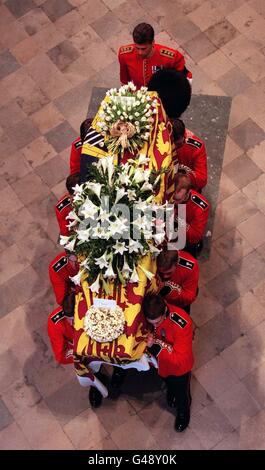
(177, 278)
(61, 269)
(76, 147)
(61, 330)
(197, 213)
(190, 155)
(64, 205)
(139, 61)
(170, 341)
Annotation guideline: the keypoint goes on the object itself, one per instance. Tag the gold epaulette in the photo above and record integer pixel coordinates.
(125, 49)
(167, 53)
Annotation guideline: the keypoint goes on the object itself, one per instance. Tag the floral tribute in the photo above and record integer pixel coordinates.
(104, 324)
(126, 118)
(114, 222)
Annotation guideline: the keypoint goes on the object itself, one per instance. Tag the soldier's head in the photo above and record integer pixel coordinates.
(86, 124)
(69, 304)
(154, 309)
(143, 37)
(178, 128)
(71, 181)
(182, 189)
(166, 264)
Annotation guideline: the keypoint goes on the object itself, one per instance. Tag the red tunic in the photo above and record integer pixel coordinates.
(75, 156)
(174, 337)
(61, 334)
(139, 70)
(192, 159)
(62, 209)
(181, 289)
(60, 269)
(197, 213)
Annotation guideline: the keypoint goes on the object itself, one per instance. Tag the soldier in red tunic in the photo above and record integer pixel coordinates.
(197, 213)
(177, 278)
(61, 331)
(171, 343)
(64, 205)
(62, 267)
(139, 61)
(191, 158)
(76, 147)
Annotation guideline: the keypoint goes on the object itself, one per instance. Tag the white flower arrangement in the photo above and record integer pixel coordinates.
(114, 222)
(125, 118)
(104, 324)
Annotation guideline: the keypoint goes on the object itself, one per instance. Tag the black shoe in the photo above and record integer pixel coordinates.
(116, 382)
(182, 421)
(95, 397)
(171, 400)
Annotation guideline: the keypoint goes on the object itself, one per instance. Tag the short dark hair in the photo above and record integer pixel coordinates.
(167, 259)
(153, 306)
(71, 181)
(178, 127)
(182, 182)
(86, 124)
(69, 304)
(143, 33)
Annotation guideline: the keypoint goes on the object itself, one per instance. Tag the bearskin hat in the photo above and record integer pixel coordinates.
(173, 89)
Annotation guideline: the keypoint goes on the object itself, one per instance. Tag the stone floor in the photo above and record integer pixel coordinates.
(52, 54)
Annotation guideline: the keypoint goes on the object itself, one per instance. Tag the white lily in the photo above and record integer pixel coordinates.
(110, 168)
(134, 246)
(147, 234)
(119, 247)
(73, 216)
(126, 270)
(131, 194)
(70, 245)
(99, 232)
(154, 249)
(139, 175)
(110, 273)
(142, 222)
(134, 277)
(84, 263)
(64, 240)
(102, 262)
(119, 195)
(124, 179)
(95, 188)
(77, 278)
(95, 286)
(146, 186)
(72, 224)
(103, 215)
(78, 188)
(159, 237)
(88, 209)
(148, 274)
(119, 225)
(83, 235)
(142, 159)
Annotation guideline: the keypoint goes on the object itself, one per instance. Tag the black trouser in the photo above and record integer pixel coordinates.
(179, 386)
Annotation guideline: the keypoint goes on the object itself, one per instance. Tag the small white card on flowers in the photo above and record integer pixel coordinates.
(125, 100)
(105, 303)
